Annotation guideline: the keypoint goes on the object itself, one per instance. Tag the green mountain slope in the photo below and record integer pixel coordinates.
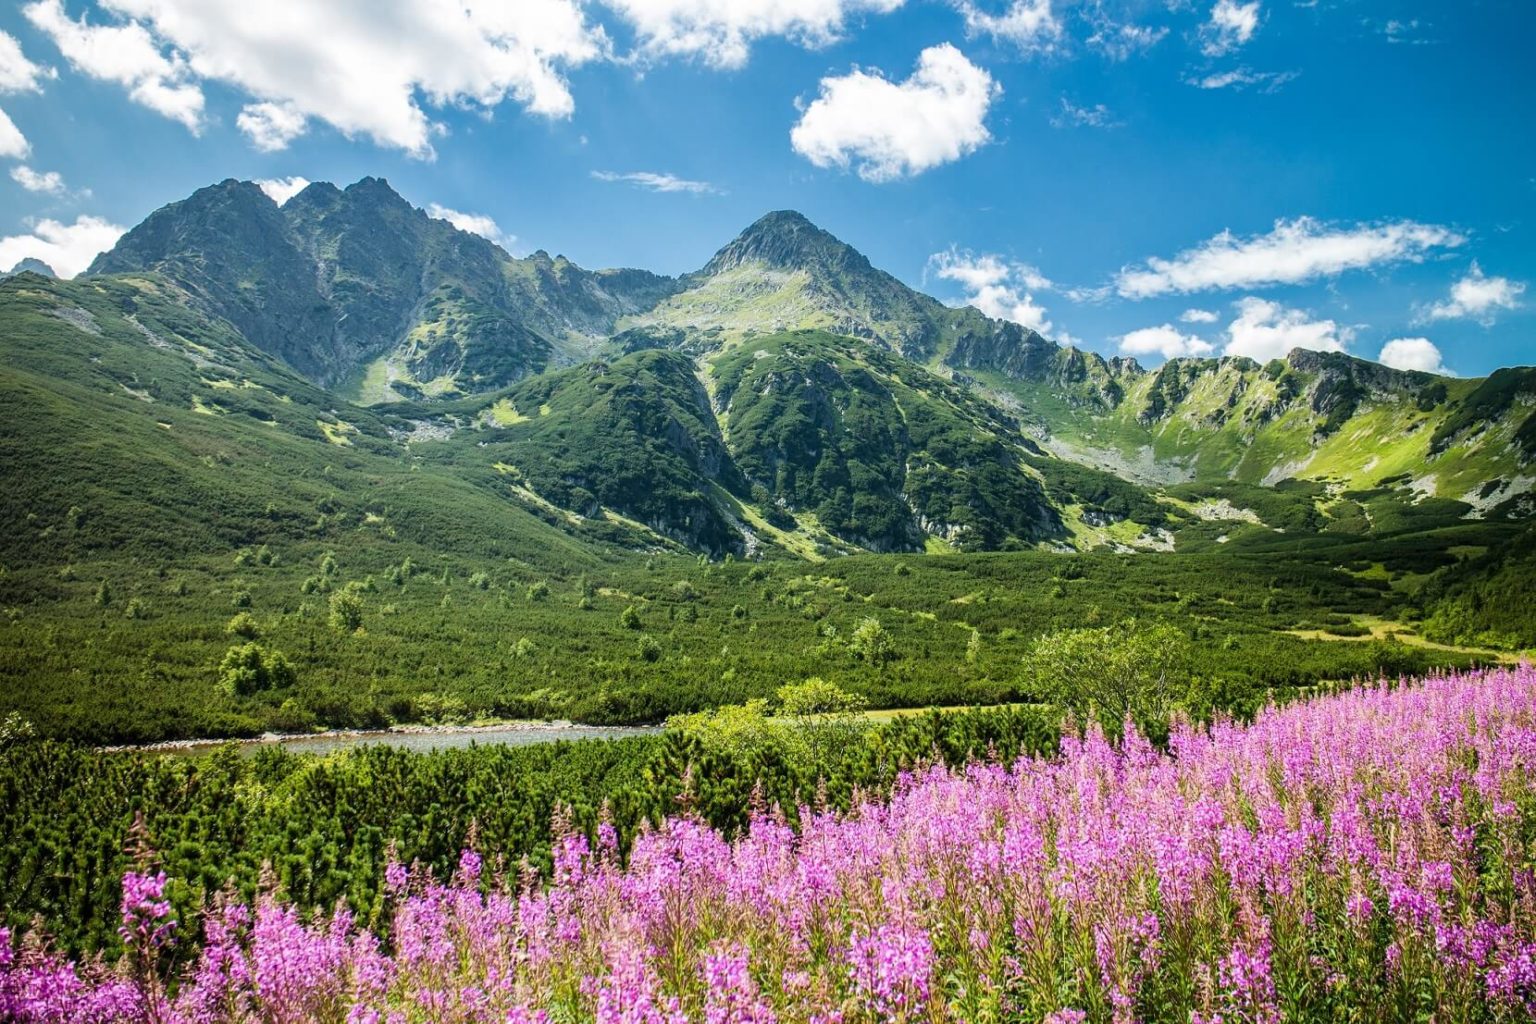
(1327, 417)
(809, 442)
(130, 422)
(884, 454)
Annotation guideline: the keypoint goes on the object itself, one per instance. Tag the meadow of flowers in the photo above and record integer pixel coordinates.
(1366, 856)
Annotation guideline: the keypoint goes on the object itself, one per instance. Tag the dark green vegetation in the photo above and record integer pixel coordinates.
(1489, 600)
(326, 825)
(627, 641)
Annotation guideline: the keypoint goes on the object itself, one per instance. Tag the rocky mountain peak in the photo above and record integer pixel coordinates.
(787, 240)
(31, 265)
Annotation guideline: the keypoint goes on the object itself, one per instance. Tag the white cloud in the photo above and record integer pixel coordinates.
(1231, 25)
(1002, 289)
(1477, 297)
(1028, 24)
(1266, 330)
(658, 182)
(17, 74)
(48, 182)
(363, 67)
(280, 190)
(721, 32)
(1295, 251)
(474, 223)
(13, 144)
(67, 248)
(1073, 116)
(128, 55)
(271, 126)
(1408, 32)
(1413, 354)
(894, 129)
(1243, 78)
(1198, 316)
(1122, 42)
(1166, 341)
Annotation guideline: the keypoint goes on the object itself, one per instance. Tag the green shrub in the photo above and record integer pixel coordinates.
(648, 648)
(347, 609)
(250, 668)
(243, 625)
(816, 696)
(872, 642)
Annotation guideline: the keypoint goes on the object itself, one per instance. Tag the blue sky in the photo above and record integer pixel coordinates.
(1155, 177)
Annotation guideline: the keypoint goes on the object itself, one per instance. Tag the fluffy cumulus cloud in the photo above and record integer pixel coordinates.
(474, 223)
(889, 130)
(1166, 341)
(17, 73)
(1199, 316)
(47, 182)
(657, 182)
(363, 67)
(1477, 297)
(721, 32)
(1413, 354)
(1030, 25)
(1266, 330)
(1231, 25)
(283, 189)
(1002, 289)
(127, 54)
(1295, 251)
(271, 126)
(67, 248)
(13, 144)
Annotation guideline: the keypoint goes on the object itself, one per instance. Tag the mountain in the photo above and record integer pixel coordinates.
(786, 396)
(1328, 417)
(30, 265)
(363, 293)
(808, 442)
(132, 425)
(784, 273)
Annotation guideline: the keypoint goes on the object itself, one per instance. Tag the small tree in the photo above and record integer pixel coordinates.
(347, 608)
(1114, 673)
(648, 648)
(250, 668)
(816, 696)
(872, 642)
(243, 625)
(629, 618)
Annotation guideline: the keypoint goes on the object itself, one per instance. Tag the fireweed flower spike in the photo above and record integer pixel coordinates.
(1363, 856)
